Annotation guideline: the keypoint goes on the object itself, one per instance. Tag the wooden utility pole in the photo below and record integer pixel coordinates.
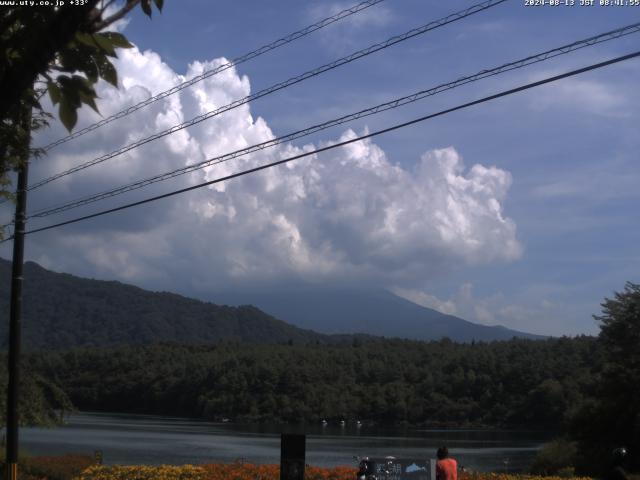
(15, 312)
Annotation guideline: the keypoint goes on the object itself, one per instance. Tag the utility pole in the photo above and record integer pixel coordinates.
(15, 312)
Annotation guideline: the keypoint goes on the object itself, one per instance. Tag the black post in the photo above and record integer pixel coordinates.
(15, 324)
(292, 456)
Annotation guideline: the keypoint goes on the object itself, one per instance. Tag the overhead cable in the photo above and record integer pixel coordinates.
(532, 59)
(279, 86)
(346, 142)
(236, 61)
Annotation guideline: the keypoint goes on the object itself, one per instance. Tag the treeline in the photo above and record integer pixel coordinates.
(514, 383)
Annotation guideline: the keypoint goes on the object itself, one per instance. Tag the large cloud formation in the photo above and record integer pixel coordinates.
(350, 214)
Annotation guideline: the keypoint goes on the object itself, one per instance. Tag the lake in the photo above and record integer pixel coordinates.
(154, 440)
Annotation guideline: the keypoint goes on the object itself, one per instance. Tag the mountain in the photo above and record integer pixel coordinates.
(376, 312)
(62, 311)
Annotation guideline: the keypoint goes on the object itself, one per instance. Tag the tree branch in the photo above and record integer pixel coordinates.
(130, 5)
(104, 7)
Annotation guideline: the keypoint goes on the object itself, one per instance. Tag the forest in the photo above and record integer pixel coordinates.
(514, 383)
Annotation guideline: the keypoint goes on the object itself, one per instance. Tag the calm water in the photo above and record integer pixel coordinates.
(142, 439)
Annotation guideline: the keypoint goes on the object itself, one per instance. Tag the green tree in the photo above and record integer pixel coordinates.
(555, 458)
(545, 404)
(56, 51)
(43, 401)
(611, 417)
(61, 52)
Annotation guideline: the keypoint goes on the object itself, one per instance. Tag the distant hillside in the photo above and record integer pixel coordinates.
(376, 312)
(61, 311)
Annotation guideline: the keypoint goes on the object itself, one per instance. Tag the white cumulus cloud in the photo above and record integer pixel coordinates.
(353, 213)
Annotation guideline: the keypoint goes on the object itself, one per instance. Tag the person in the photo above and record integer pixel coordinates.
(446, 467)
(616, 467)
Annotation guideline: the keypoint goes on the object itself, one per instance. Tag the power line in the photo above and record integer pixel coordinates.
(236, 61)
(279, 86)
(346, 142)
(565, 49)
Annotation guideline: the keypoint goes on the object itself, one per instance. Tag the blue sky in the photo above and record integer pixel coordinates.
(561, 162)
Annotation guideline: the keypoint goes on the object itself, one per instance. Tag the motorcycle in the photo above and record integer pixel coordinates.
(369, 470)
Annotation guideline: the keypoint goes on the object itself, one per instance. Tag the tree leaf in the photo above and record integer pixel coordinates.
(71, 59)
(159, 4)
(68, 114)
(89, 100)
(54, 92)
(104, 42)
(82, 85)
(86, 39)
(117, 39)
(146, 7)
(70, 92)
(91, 70)
(108, 72)
(78, 56)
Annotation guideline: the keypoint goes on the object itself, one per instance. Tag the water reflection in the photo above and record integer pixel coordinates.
(142, 439)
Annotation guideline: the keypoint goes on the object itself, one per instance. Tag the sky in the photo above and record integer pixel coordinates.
(520, 212)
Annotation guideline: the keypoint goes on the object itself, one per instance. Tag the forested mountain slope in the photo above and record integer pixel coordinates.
(62, 311)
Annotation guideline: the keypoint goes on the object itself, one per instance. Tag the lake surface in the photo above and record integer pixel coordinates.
(154, 440)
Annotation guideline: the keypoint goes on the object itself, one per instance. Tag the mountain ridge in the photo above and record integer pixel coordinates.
(376, 312)
(61, 310)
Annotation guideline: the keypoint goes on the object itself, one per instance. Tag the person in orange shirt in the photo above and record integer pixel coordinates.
(446, 468)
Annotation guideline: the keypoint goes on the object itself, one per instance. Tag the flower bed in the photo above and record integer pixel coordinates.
(247, 471)
(510, 476)
(233, 471)
(78, 467)
(164, 472)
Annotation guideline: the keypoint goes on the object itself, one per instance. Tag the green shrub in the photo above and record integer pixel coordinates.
(555, 458)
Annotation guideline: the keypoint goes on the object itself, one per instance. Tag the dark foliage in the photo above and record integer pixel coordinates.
(56, 51)
(555, 458)
(42, 401)
(610, 417)
(515, 383)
